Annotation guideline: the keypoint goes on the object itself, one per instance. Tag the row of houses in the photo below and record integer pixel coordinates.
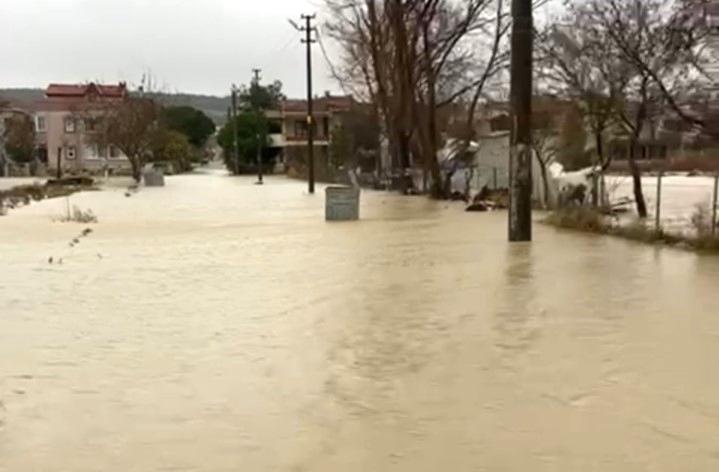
(64, 128)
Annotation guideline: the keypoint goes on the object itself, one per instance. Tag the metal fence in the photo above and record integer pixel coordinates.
(673, 201)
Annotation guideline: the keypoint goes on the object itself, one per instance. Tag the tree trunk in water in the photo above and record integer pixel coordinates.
(136, 169)
(437, 190)
(447, 189)
(637, 181)
(545, 184)
(600, 151)
(404, 150)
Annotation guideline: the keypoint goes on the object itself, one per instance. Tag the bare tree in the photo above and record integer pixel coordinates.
(130, 125)
(574, 64)
(631, 61)
(411, 58)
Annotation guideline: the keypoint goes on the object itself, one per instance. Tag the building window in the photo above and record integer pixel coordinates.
(114, 153)
(69, 125)
(90, 125)
(101, 151)
(300, 129)
(70, 152)
(40, 125)
(274, 127)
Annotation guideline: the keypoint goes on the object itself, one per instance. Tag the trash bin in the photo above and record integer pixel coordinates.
(154, 178)
(342, 203)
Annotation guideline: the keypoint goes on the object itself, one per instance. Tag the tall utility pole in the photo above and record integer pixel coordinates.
(308, 29)
(235, 147)
(256, 83)
(520, 152)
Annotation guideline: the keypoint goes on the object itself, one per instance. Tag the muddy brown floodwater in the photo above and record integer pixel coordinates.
(214, 325)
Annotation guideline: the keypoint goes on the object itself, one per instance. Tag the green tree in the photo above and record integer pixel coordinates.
(172, 146)
(342, 147)
(252, 132)
(20, 138)
(261, 97)
(356, 138)
(189, 121)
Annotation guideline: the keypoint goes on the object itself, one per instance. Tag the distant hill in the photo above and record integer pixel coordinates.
(22, 95)
(214, 107)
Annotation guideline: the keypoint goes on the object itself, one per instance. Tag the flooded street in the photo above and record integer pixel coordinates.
(214, 325)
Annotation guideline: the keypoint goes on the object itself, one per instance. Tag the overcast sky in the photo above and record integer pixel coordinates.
(198, 46)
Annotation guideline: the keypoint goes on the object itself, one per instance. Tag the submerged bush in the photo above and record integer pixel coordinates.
(593, 221)
(77, 215)
(581, 218)
(706, 239)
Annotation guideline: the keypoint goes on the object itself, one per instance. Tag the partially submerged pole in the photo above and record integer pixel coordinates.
(715, 205)
(520, 153)
(657, 223)
(58, 171)
(235, 145)
(308, 29)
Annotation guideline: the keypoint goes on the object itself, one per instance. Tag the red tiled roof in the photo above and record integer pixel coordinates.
(65, 90)
(322, 104)
(82, 90)
(113, 90)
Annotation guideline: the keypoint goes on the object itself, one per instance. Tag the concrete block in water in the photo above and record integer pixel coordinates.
(154, 178)
(342, 203)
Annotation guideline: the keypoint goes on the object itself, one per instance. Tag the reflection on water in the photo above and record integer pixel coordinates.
(216, 325)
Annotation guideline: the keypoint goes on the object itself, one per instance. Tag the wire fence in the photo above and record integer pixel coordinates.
(673, 201)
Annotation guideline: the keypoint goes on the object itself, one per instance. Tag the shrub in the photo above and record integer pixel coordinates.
(77, 215)
(581, 218)
(701, 221)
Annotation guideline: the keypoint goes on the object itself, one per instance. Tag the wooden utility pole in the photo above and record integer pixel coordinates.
(308, 29)
(235, 147)
(256, 83)
(520, 152)
(715, 205)
(58, 171)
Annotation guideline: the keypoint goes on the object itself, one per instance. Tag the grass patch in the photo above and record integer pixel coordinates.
(591, 220)
(24, 194)
(579, 218)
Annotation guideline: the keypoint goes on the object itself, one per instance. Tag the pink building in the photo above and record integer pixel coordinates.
(64, 130)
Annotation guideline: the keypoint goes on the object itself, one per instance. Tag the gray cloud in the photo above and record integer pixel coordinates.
(189, 45)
